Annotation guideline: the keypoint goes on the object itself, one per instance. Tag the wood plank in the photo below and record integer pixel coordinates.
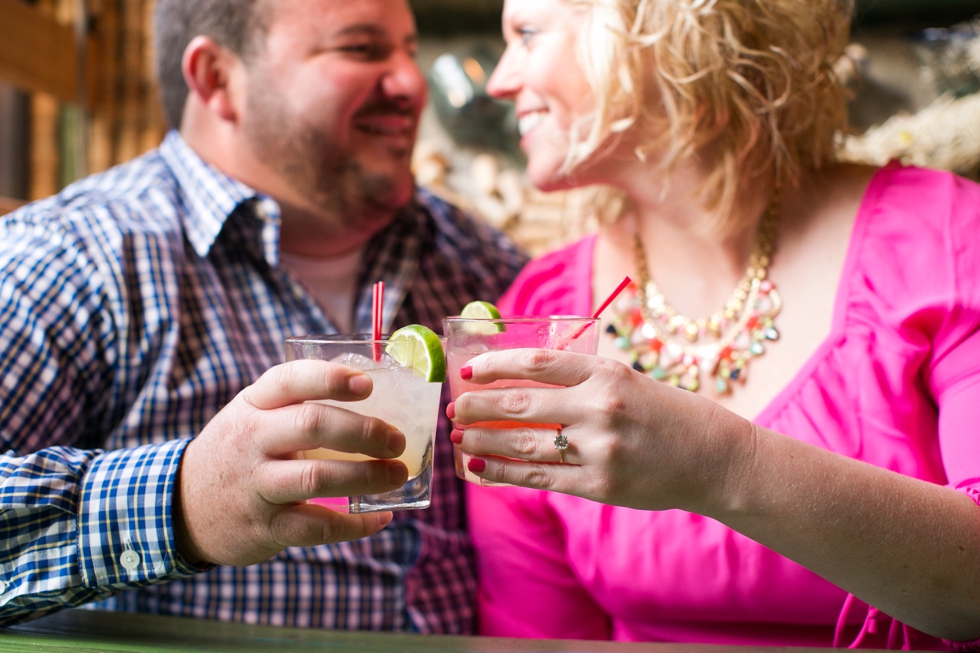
(104, 115)
(37, 54)
(132, 114)
(45, 162)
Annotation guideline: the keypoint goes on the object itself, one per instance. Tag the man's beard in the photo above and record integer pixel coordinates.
(332, 180)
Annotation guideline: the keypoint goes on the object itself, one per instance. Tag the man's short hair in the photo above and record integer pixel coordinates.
(237, 25)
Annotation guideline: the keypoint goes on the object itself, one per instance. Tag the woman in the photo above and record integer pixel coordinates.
(820, 453)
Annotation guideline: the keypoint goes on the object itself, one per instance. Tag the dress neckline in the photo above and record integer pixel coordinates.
(866, 209)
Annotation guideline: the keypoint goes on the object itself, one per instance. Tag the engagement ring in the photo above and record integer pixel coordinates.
(561, 443)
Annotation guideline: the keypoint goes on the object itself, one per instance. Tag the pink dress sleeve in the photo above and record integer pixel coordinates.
(941, 275)
(955, 370)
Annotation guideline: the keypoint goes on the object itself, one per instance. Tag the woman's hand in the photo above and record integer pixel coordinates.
(631, 441)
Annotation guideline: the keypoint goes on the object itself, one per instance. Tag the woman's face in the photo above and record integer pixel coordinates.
(541, 73)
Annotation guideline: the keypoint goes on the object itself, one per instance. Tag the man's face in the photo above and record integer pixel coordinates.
(333, 100)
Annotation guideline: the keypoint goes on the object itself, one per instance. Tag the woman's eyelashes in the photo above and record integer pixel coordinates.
(526, 34)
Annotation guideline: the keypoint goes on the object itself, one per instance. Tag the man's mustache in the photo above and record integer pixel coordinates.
(402, 110)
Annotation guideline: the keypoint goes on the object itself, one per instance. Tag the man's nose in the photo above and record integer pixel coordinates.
(405, 80)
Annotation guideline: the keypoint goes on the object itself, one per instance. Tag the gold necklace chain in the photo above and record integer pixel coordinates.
(666, 344)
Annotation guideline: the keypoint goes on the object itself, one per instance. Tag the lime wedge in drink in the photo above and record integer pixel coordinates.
(482, 311)
(418, 348)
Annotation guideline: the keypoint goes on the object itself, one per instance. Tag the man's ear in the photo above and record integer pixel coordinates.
(207, 72)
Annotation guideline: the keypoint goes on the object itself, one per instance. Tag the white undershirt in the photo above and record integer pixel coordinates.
(332, 282)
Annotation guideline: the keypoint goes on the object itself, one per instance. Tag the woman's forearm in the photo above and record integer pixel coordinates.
(906, 546)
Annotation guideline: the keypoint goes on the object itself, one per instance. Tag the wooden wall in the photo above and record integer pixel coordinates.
(78, 127)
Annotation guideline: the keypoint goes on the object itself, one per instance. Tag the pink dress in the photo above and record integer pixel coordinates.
(896, 384)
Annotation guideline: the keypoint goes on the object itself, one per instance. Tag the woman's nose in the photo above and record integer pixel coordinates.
(505, 80)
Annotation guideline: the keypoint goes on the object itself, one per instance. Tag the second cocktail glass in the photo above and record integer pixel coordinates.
(467, 338)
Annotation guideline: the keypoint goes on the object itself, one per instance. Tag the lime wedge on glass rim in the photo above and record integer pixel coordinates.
(482, 311)
(418, 348)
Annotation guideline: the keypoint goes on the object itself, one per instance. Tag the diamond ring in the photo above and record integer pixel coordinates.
(561, 443)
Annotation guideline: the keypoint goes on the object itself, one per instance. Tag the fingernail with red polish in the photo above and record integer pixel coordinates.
(451, 410)
(476, 465)
(456, 436)
(466, 372)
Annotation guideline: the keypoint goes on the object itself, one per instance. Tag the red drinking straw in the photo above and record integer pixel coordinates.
(377, 312)
(609, 300)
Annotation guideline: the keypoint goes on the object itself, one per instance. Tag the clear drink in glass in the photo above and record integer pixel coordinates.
(400, 397)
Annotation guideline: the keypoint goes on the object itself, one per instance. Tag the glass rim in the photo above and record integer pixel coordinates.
(561, 319)
(336, 339)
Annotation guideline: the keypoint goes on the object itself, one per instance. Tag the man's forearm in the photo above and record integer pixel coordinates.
(78, 525)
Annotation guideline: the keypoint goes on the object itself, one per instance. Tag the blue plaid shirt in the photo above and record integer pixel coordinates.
(133, 306)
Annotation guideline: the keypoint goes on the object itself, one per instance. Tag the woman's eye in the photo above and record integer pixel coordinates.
(525, 35)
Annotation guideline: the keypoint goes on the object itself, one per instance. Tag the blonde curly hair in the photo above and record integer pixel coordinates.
(751, 79)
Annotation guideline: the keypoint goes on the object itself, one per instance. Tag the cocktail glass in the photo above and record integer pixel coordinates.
(467, 338)
(400, 397)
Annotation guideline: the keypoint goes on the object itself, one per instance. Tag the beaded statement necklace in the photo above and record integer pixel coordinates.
(675, 349)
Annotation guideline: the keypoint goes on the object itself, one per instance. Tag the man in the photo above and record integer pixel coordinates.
(141, 307)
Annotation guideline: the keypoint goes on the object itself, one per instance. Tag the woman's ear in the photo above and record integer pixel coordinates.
(208, 68)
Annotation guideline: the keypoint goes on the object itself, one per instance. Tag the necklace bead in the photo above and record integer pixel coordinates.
(665, 344)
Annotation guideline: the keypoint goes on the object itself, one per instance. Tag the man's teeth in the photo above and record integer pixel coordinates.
(529, 121)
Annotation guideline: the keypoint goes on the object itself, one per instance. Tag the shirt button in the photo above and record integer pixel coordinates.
(267, 209)
(3, 586)
(130, 560)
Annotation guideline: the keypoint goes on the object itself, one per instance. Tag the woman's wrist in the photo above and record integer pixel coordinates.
(731, 474)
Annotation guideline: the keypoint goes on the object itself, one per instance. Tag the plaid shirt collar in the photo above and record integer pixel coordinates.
(209, 198)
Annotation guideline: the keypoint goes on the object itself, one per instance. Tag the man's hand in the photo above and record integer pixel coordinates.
(241, 490)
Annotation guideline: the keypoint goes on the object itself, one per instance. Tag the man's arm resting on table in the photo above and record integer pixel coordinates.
(77, 526)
